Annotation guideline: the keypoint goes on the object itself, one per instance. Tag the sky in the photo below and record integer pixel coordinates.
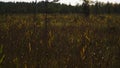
(72, 2)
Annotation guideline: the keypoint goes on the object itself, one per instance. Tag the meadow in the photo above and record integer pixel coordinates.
(67, 41)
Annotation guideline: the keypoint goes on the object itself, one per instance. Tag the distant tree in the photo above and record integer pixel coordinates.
(39, 7)
(35, 6)
(55, 1)
(86, 8)
(97, 9)
(108, 8)
(35, 9)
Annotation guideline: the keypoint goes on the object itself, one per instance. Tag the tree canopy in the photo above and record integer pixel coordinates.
(24, 7)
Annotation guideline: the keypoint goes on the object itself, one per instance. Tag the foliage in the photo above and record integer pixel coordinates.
(24, 7)
(86, 7)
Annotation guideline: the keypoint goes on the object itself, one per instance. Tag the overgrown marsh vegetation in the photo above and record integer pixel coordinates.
(71, 41)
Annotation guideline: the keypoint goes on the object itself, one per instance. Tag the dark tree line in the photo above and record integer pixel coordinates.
(86, 7)
(24, 7)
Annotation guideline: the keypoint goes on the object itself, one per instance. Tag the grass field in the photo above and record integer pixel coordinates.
(69, 41)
